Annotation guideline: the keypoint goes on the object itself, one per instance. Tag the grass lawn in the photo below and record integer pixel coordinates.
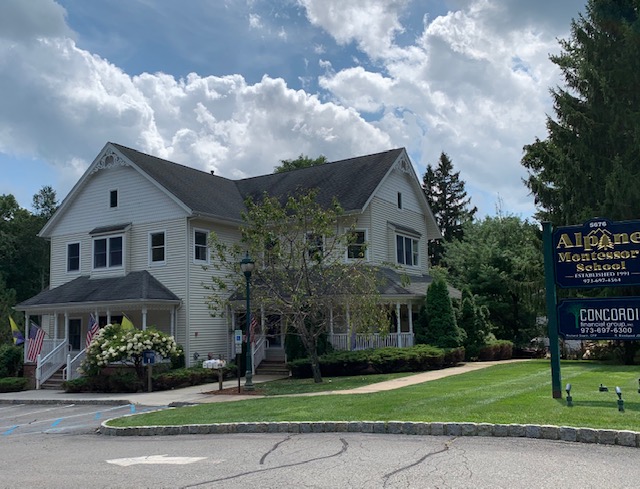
(509, 393)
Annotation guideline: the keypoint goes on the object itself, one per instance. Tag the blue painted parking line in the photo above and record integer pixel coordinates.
(133, 408)
(56, 422)
(10, 430)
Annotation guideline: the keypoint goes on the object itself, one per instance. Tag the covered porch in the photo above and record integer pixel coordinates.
(64, 314)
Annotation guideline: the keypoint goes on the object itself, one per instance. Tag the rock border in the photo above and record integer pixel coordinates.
(544, 432)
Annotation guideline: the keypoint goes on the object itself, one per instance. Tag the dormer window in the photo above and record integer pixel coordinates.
(113, 199)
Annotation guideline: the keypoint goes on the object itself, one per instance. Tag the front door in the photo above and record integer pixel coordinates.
(75, 334)
(273, 331)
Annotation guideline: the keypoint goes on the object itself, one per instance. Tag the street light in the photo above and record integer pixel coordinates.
(247, 265)
(620, 401)
(569, 398)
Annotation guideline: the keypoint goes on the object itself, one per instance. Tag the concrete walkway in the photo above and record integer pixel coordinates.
(199, 393)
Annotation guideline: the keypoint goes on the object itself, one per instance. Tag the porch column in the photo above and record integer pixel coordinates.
(108, 316)
(262, 318)
(410, 307)
(26, 334)
(331, 321)
(172, 313)
(352, 333)
(55, 325)
(398, 328)
(144, 318)
(66, 326)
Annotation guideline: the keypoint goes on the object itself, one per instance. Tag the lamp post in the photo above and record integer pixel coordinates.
(247, 265)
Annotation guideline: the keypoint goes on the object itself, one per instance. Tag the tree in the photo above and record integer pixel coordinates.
(301, 161)
(300, 271)
(588, 164)
(474, 320)
(500, 260)
(441, 326)
(45, 202)
(449, 203)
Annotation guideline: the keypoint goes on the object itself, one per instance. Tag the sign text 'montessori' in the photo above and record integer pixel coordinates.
(599, 253)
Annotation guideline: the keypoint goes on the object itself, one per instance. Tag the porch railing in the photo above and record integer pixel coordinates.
(50, 361)
(343, 341)
(259, 352)
(70, 372)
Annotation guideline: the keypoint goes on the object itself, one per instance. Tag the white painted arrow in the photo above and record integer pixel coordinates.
(154, 459)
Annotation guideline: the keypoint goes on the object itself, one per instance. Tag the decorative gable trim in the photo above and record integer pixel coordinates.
(403, 165)
(110, 159)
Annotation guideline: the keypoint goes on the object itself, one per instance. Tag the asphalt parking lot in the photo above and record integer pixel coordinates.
(27, 419)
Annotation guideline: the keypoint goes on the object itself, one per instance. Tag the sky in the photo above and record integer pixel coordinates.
(235, 86)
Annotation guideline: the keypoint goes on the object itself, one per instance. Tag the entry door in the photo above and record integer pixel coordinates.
(75, 334)
(273, 327)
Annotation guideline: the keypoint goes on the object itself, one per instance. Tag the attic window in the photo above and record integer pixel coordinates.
(113, 199)
(399, 200)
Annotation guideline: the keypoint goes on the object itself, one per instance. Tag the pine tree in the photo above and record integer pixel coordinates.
(449, 203)
(442, 328)
(590, 161)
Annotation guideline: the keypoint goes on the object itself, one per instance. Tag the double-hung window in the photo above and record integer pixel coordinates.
(73, 257)
(107, 252)
(200, 247)
(357, 248)
(315, 246)
(407, 250)
(157, 248)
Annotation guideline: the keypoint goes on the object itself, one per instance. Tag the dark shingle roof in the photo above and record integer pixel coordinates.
(351, 181)
(202, 192)
(134, 287)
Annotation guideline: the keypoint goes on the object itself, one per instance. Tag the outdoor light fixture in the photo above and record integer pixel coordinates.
(247, 265)
(638, 386)
(603, 388)
(569, 398)
(620, 401)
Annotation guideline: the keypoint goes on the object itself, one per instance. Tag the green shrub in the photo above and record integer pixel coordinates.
(82, 384)
(10, 361)
(13, 384)
(379, 361)
(496, 350)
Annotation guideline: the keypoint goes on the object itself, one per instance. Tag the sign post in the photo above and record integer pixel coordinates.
(552, 319)
(148, 359)
(237, 334)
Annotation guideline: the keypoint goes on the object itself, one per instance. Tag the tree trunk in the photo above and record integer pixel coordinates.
(315, 367)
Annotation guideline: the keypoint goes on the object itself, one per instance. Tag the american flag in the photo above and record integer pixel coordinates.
(36, 338)
(254, 327)
(92, 330)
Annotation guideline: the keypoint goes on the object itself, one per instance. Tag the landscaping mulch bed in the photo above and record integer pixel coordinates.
(233, 391)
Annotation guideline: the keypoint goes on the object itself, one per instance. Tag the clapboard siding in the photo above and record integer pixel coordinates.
(212, 330)
(139, 201)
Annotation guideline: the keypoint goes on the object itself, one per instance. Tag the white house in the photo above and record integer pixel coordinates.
(131, 238)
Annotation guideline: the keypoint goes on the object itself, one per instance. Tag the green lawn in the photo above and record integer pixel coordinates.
(509, 393)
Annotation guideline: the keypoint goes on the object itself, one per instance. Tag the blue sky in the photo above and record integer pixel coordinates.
(237, 85)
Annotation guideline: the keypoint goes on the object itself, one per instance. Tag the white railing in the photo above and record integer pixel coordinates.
(375, 340)
(70, 372)
(50, 362)
(258, 352)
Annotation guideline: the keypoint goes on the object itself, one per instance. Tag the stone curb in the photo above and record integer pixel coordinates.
(544, 432)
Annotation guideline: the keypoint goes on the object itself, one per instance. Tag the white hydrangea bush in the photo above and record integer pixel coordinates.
(117, 344)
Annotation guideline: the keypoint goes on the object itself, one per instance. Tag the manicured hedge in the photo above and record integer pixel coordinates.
(380, 361)
(496, 350)
(13, 384)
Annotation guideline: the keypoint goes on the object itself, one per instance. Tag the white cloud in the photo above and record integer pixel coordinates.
(25, 21)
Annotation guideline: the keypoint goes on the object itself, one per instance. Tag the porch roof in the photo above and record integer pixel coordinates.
(393, 283)
(134, 288)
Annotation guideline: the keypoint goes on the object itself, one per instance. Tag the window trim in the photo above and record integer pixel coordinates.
(117, 195)
(365, 244)
(415, 250)
(108, 253)
(151, 248)
(75, 270)
(206, 233)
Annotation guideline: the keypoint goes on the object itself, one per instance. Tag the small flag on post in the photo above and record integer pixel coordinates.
(92, 329)
(36, 339)
(126, 322)
(18, 337)
(254, 327)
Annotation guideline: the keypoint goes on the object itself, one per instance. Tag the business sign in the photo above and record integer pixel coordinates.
(599, 319)
(599, 253)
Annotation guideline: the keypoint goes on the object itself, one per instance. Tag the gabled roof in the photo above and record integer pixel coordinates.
(353, 182)
(140, 287)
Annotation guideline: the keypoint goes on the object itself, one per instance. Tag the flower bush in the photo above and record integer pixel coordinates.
(117, 344)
